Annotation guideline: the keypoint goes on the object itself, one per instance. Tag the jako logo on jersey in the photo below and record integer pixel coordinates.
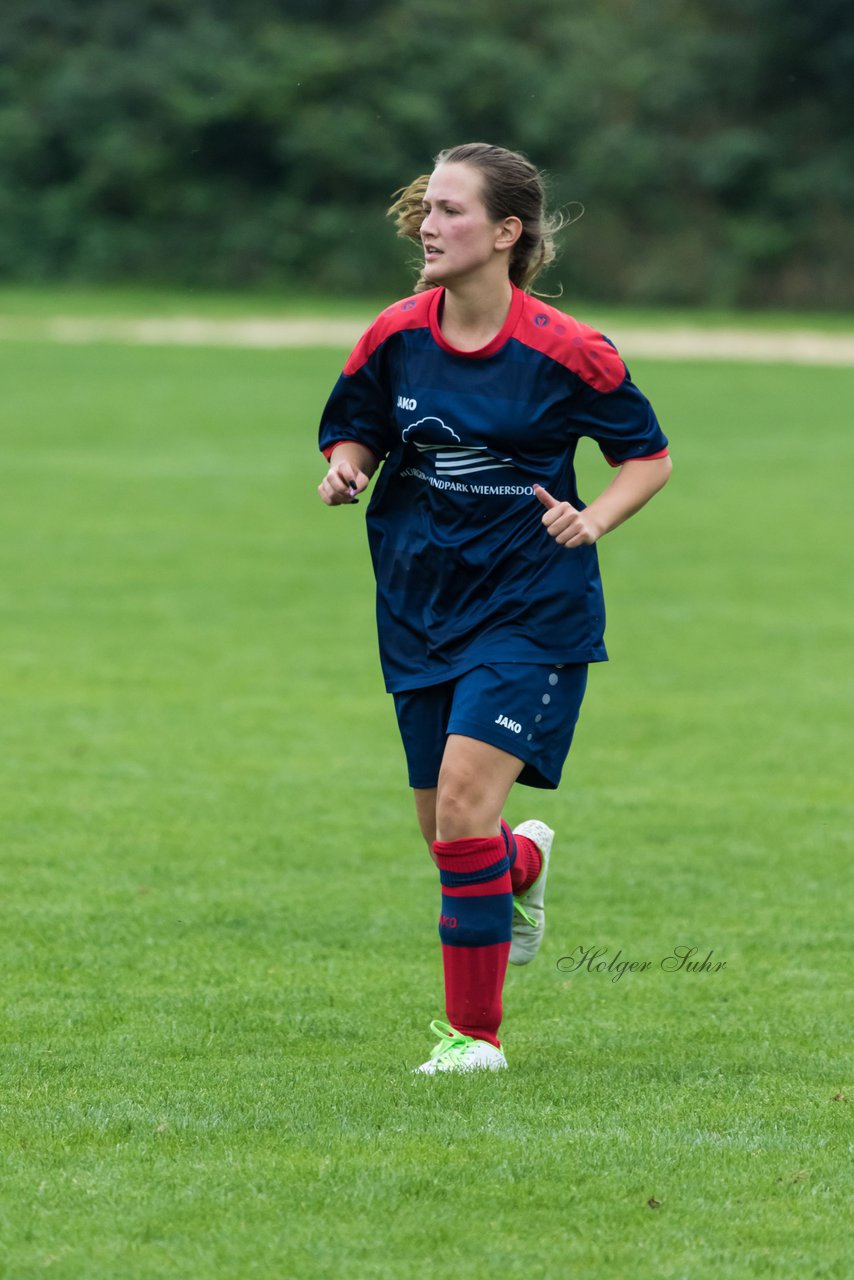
(404, 403)
(512, 725)
(447, 922)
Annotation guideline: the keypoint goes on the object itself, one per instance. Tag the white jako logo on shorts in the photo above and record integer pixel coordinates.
(512, 725)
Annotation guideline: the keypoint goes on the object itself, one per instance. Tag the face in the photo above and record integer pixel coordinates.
(458, 236)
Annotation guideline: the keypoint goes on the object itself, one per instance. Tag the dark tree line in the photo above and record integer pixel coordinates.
(199, 141)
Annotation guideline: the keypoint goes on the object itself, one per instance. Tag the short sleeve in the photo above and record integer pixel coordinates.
(621, 421)
(358, 408)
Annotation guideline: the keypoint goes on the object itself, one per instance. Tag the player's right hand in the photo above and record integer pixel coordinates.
(342, 482)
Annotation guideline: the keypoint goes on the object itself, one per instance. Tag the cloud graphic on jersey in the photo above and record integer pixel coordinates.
(451, 459)
(430, 429)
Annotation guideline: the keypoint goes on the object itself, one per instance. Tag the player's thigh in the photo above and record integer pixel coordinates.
(425, 808)
(474, 782)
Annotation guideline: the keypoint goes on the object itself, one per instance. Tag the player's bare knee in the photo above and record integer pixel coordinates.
(459, 809)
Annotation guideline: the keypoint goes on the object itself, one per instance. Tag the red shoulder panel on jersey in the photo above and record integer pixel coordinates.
(410, 313)
(576, 346)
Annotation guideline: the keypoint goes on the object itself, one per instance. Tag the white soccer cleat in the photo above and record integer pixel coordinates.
(456, 1052)
(529, 916)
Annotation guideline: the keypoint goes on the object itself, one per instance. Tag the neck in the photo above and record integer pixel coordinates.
(475, 312)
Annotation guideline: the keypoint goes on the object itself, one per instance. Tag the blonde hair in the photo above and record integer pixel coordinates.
(512, 188)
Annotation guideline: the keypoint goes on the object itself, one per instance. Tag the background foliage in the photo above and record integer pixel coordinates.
(712, 143)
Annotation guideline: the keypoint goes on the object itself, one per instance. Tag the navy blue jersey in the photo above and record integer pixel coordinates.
(466, 573)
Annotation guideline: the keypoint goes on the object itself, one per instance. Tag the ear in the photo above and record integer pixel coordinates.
(507, 232)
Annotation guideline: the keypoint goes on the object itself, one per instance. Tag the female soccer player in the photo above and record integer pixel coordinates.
(473, 395)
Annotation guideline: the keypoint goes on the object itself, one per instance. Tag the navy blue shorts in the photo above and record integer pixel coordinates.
(528, 710)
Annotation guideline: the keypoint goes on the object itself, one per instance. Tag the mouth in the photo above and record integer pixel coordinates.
(430, 251)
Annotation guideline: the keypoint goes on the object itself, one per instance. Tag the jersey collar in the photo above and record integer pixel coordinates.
(516, 304)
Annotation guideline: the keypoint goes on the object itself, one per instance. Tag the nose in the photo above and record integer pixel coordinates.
(426, 224)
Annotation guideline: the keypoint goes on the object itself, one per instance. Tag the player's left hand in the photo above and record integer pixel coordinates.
(568, 527)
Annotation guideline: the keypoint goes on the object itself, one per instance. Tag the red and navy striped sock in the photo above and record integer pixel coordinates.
(526, 861)
(475, 927)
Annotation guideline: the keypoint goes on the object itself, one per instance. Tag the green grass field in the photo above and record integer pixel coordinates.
(218, 937)
(31, 305)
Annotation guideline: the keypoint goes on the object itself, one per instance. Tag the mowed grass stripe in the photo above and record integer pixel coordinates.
(218, 939)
